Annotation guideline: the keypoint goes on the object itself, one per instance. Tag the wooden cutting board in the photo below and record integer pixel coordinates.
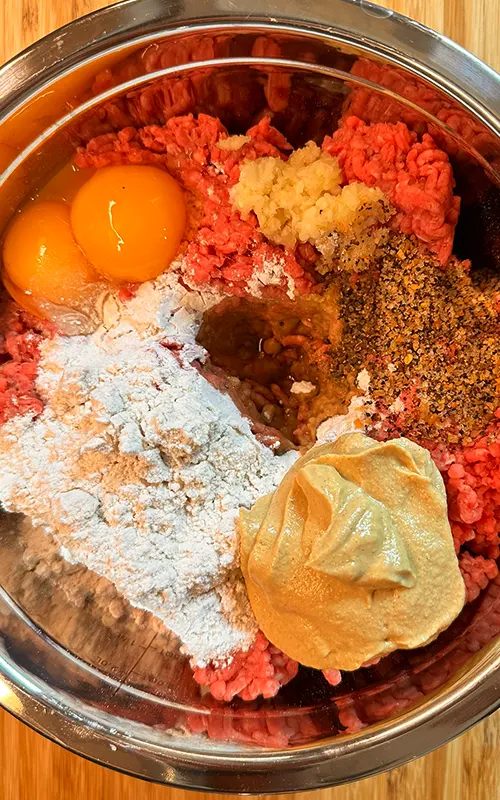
(467, 769)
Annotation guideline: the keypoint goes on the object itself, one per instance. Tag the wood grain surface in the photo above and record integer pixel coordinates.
(467, 769)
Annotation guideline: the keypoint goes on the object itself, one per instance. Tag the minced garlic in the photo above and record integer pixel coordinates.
(302, 200)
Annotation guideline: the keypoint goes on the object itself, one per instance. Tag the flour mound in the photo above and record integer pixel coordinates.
(138, 467)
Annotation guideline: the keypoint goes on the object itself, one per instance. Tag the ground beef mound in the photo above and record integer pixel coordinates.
(220, 248)
(416, 177)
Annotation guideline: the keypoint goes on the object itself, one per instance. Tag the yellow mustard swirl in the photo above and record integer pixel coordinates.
(352, 556)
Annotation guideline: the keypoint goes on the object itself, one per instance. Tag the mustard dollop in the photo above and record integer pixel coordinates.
(352, 556)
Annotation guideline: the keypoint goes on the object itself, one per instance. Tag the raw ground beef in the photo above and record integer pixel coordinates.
(166, 97)
(156, 102)
(220, 248)
(261, 671)
(371, 106)
(472, 479)
(477, 572)
(254, 725)
(416, 177)
(333, 676)
(21, 335)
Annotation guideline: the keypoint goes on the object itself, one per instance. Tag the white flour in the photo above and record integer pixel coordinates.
(138, 467)
(271, 273)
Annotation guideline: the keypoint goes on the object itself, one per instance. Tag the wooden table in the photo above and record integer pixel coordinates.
(467, 769)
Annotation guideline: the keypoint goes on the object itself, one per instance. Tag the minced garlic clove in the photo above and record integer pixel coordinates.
(303, 200)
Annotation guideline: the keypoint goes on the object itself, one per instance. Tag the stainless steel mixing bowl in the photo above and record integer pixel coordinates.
(75, 663)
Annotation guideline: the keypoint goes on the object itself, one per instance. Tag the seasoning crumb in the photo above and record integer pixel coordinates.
(437, 333)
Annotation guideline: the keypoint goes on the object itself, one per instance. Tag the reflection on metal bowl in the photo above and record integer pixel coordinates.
(77, 662)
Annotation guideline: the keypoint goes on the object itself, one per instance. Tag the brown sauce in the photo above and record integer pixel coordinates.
(271, 344)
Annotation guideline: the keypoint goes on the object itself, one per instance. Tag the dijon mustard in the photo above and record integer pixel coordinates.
(352, 556)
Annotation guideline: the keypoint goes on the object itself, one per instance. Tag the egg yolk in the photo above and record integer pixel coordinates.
(42, 261)
(129, 221)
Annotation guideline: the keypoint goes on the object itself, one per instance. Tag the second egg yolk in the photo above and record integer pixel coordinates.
(41, 259)
(129, 221)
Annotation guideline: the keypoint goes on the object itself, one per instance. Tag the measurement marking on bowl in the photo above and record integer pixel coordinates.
(135, 664)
